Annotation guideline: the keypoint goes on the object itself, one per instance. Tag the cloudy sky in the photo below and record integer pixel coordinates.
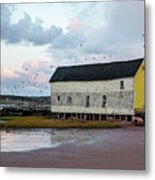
(37, 38)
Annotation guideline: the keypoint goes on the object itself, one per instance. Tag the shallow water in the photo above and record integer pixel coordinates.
(26, 140)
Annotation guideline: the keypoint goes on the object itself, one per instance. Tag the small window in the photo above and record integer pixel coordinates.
(121, 84)
(69, 100)
(104, 101)
(58, 98)
(87, 101)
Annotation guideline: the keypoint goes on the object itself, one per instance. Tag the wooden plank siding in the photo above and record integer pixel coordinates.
(118, 101)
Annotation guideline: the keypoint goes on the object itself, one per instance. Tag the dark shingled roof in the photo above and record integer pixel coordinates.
(101, 71)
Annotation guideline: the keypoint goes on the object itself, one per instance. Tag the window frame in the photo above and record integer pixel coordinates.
(58, 98)
(104, 100)
(122, 84)
(69, 100)
(87, 101)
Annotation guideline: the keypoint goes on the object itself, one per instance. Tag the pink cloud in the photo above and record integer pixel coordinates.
(40, 65)
(32, 63)
(76, 25)
(41, 79)
(9, 73)
(33, 74)
(36, 72)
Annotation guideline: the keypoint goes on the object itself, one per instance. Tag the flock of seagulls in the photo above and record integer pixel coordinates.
(24, 83)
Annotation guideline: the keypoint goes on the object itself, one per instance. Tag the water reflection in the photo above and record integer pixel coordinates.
(25, 140)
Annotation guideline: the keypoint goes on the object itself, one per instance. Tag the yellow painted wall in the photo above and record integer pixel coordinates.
(139, 88)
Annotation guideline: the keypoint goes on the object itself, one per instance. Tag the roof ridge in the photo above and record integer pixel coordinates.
(100, 63)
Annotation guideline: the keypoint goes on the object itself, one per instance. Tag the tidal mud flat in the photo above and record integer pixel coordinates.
(122, 148)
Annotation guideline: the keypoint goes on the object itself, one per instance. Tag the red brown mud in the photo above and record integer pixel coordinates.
(125, 150)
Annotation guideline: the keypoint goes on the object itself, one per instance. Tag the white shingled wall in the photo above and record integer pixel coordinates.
(110, 87)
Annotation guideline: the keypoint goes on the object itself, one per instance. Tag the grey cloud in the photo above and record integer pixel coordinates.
(124, 26)
(67, 46)
(69, 40)
(67, 54)
(128, 20)
(25, 29)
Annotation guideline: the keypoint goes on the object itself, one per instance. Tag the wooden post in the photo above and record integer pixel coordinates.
(80, 116)
(93, 117)
(99, 117)
(76, 116)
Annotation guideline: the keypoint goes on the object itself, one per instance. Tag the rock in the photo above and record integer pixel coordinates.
(137, 121)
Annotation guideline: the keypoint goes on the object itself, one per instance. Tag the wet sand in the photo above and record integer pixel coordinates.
(124, 150)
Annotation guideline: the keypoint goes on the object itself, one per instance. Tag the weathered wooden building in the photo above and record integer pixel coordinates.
(98, 91)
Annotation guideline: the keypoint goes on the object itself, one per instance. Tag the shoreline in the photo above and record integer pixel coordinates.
(125, 152)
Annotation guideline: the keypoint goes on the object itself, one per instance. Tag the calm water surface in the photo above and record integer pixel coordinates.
(26, 140)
